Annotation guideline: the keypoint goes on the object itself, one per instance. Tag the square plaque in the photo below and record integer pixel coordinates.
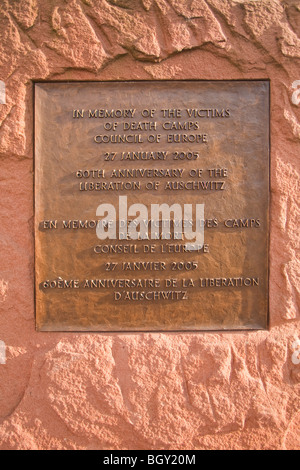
(151, 205)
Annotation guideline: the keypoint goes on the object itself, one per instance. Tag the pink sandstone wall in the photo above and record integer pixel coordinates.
(148, 391)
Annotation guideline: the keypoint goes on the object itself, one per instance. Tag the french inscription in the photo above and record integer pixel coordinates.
(151, 209)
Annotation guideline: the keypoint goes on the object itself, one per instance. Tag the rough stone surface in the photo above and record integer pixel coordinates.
(147, 391)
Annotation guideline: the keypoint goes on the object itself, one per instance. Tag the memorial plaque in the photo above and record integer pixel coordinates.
(151, 205)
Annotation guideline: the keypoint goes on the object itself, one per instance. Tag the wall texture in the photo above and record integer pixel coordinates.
(148, 391)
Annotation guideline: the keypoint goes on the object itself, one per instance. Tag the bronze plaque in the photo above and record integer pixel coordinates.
(151, 205)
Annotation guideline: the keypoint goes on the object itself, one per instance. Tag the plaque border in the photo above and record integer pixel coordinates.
(269, 202)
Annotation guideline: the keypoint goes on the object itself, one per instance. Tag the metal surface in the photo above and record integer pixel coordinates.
(222, 161)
